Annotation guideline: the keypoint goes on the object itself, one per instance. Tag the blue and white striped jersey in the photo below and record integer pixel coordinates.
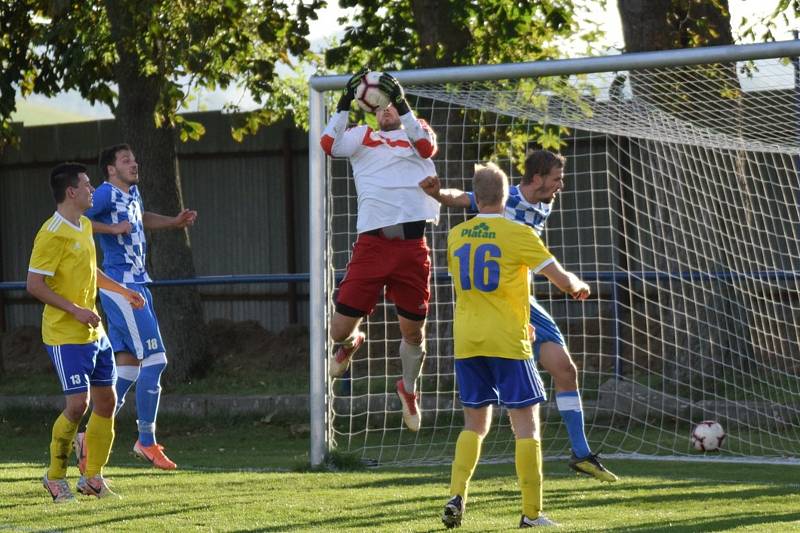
(520, 210)
(123, 255)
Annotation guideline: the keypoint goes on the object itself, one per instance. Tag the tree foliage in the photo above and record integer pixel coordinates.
(144, 58)
(406, 34)
(177, 45)
(399, 34)
(763, 28)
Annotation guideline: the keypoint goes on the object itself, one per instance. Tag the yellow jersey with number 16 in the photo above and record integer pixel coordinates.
(489, 259)
(65, 255)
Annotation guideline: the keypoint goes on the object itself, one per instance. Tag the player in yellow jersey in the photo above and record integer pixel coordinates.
(489, 259)
(63, 275)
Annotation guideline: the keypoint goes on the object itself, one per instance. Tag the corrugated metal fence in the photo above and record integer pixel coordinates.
(250, 198)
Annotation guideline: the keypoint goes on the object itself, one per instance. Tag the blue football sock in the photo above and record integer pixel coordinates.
(569, 405)
(148, 394)
(126, 376)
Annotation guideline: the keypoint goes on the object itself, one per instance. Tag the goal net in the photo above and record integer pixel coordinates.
(681, 210)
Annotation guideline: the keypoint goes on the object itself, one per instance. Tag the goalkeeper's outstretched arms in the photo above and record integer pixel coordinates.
(448, 197)
(567, 282)
(336, 139)
(418, 131)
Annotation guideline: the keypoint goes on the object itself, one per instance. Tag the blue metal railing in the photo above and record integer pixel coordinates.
(442, 275)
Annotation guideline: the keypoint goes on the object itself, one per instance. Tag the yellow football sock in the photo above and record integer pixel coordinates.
(528, 459)
(60, 446)
(468, 450)
(99, 438)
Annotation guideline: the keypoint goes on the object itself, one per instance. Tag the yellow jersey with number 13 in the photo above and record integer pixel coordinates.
(65, 254)
(489, 258)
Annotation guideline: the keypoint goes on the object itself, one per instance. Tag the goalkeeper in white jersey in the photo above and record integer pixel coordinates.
(531, 203)
(391, 251)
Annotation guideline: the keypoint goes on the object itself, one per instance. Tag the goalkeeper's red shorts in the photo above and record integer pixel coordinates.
(403, 266)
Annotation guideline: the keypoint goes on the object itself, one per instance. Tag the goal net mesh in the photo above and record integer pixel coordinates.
(680, 208)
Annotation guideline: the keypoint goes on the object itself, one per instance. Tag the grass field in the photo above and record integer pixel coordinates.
(245, 475)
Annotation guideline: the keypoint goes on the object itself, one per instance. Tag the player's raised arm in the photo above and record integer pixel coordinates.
(183, 219)
(566, 281)
(418, 130)
(449, 197)
(336, 139)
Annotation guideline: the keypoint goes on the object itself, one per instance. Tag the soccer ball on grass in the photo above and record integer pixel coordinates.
(369, 96)
(707, 436)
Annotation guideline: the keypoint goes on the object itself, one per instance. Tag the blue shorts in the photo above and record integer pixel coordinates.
(546, 328)
(78, 365)
(484, 381)
(132, 330)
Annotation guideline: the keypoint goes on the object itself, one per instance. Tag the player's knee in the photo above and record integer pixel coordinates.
(339, 334)
(150, 376)
(342, 329)
(478, 421)
(415, 337)
(563, 370)
(345, 322)
(105, 405)
(154, 364)
(481, 429)
(412, 328)
(566, 373)
(76, 409)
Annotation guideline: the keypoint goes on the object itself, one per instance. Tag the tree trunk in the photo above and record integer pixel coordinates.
(649, 25)
(169, 252)
(439, 37)
(700, 94)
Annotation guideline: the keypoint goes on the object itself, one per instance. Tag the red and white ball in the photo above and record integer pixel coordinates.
(707, 436)
(369, 96)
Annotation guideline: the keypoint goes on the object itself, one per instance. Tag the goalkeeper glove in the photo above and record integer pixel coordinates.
(350, 90)
(389, 85)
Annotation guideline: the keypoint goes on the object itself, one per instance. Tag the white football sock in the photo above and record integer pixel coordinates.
(412, 357)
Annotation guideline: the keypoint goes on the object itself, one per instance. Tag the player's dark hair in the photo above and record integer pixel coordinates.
(541, 162)
(109, 156)
(63, 176)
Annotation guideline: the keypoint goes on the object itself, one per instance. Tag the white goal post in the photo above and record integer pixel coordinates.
(681, 209)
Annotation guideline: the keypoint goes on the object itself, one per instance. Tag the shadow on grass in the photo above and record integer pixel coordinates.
(219, 443)
(655, 497)
(728, 522)
(139, 513)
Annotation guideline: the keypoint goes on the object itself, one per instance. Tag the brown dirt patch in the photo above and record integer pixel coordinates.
(22, 351)
(238, 346)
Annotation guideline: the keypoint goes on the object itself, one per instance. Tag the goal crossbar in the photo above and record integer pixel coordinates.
(585, 65)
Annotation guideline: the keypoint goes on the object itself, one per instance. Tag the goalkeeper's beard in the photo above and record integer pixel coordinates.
(391, 127)
(387, 121)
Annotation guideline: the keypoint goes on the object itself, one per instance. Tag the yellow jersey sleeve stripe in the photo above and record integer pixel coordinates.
(43, 272)
(542, 265)
(54, 224)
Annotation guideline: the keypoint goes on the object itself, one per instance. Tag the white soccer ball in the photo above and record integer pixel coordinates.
(369, 96)
(707, 436)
